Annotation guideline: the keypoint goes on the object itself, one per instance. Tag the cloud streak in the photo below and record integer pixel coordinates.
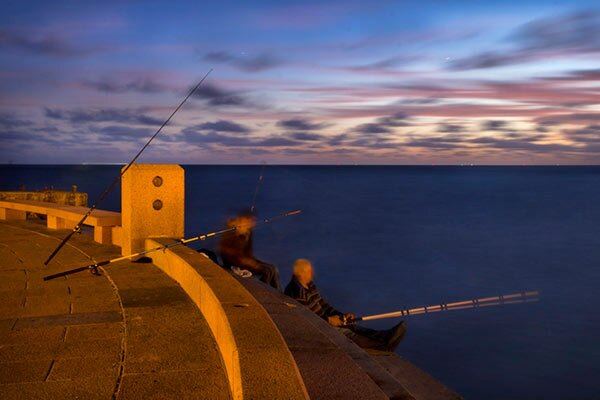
(81, 116)
(245, 62)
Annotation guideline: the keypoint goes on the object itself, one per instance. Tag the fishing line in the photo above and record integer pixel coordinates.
(117, 179)
(260, 179)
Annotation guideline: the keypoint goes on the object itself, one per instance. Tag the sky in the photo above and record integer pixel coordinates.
(306, 82)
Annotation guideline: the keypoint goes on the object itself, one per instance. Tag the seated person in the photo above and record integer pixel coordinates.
(236, 250)
(302, 289)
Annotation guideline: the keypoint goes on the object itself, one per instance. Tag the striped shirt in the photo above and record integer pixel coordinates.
(311, 298)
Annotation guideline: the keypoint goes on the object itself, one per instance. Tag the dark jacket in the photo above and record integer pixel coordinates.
(236, 249)
(311, 298)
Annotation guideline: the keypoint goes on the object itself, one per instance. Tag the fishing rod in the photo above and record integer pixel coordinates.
(77, 227)
(522, 297)
(94, 267)
(260, 179)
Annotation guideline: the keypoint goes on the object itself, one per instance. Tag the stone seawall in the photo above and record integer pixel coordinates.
(72, 198)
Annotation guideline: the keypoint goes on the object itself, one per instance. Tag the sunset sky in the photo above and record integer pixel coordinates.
(317, 82)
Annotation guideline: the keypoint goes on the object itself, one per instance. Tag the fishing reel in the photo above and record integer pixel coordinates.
(348, 319)
(94, 270)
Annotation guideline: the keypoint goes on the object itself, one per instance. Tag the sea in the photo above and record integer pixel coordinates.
(384, 238)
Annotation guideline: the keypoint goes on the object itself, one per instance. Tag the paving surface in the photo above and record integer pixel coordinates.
(131, 333)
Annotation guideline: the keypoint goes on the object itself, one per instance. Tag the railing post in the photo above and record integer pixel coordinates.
(152, 204)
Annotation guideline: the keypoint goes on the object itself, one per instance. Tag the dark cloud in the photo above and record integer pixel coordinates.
(385, 64)
(574, 33)
(524, 143)
(589, 135)
(209, 139)
(577, 75)
(488, 60)
(121, 132)
(222, 126)
(219, 97)
(140, 85)
(276, 141)
(43, 45)
(395, 120)
(300, 125)
(419, 101)
(445, 142)
(578, 31)
(9, 122)
(372, 143)
(337, 140)
(573, 118)
(383, 125)
(450, 128)
(80, 116)
(45, 135)
(306, 136)
(249, 63)
(373, 128)
(494, 125)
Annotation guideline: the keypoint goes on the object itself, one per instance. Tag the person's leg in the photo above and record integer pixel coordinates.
(269, 275)
(364, 337)
(395, 336)
(386, 340)
(210, 254)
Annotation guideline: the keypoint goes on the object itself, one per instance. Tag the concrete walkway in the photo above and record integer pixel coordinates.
(125, 334)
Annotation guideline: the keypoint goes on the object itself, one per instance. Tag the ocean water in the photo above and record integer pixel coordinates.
(384, 238)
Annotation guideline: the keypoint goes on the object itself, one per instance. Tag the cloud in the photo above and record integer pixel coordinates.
(583, 75)
(578, 31)
(512, 142)
(249, 63)
(588, 135)
(372, 128)
(488, 60)
(222, 126)
(80, 116)
(300, 125)
(494, 125)
(383, 125)
(306, 136)
(219, 97)
(43, 45)
(384, 65)
(210, 139)
(140, 85)
(573, 33)
(124, 133)
(568, 118)
(450, 128)
(9, 122)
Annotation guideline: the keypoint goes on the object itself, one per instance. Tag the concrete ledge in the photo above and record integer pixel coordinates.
(258, 362)
(63, 216)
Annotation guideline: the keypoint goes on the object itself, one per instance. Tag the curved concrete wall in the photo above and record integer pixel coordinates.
(258, 362)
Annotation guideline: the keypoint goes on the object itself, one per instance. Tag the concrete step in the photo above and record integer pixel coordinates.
(417, 382)
(333, 367)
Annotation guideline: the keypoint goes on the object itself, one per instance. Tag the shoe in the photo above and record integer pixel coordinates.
(395, 336)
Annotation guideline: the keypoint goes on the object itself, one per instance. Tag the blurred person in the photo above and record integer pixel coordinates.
(236, 250)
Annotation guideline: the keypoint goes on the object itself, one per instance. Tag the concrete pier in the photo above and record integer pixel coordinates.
(178, 327)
